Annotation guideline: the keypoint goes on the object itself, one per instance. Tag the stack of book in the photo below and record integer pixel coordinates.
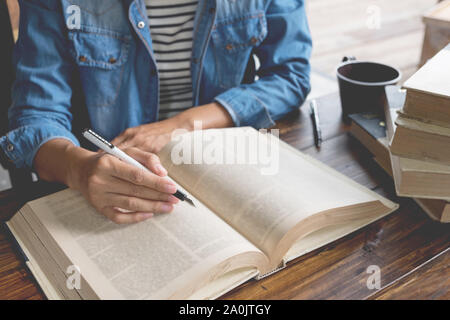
(423, 125)
(410, 175)
(412, 143)
(427, 182)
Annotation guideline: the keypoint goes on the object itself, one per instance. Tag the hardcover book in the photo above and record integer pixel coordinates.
(428, 92)
(410, 175)
(246, 225)
(427, 181)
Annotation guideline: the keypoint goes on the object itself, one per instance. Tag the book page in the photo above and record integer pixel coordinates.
(50, 291)
(433, 77)
(413, 124)
(169, 255)
(263, 207)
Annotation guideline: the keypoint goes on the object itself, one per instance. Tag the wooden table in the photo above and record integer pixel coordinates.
(411, 251)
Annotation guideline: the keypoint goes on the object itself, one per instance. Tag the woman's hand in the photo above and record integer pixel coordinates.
(120, 191)
(150, 137)
(110, 184)
(153, 137)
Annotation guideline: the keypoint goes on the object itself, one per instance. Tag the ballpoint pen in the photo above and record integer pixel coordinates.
(316, 124)
(109, 148)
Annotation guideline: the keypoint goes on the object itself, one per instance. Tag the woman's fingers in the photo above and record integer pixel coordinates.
(118, 140)
(140, 205)
(149, 160)
(123, 136)
(109, 184)
(120, 218)
(118, 186)
(141, 177)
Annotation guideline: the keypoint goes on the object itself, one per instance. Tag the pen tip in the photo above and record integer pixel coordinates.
(189, 201)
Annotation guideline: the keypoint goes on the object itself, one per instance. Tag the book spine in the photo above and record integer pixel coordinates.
(418, 146)
(446, 213)
(427, 108)
(14, 241)
(24, 257)
(261, 276)
(423, 119)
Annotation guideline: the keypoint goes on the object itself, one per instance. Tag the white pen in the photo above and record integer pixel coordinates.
(111, 149)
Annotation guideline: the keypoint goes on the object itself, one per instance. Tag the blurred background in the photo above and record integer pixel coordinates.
(386, 31)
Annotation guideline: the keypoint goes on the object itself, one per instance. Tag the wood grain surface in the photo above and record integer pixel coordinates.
(410, 249)
(400, 243)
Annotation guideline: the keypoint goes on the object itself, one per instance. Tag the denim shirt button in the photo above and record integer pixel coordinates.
(194, 60)
(141, 24)
(212, 10)
(10, 147)
(82, 59)
(229, 46)
(153, 72)
(253, 40)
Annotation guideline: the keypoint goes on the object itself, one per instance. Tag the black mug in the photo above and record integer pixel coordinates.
(361, 85)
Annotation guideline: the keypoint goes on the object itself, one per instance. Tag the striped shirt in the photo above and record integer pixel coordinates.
(171, 27)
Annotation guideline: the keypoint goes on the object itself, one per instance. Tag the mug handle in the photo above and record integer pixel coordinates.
(348, 58)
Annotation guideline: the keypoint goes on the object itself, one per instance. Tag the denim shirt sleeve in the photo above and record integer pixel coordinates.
(42, 91)
(284, 73)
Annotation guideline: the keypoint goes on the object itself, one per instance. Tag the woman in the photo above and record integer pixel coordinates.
(138, 70)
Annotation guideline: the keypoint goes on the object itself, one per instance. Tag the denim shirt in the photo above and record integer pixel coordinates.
(105, 66)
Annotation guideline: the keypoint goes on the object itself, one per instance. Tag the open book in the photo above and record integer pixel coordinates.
(245, 225)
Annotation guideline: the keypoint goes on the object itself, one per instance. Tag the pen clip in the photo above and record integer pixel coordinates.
(98, 137)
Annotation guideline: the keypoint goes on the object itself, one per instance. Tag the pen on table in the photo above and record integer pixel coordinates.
(316, 124)
(109, 148)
